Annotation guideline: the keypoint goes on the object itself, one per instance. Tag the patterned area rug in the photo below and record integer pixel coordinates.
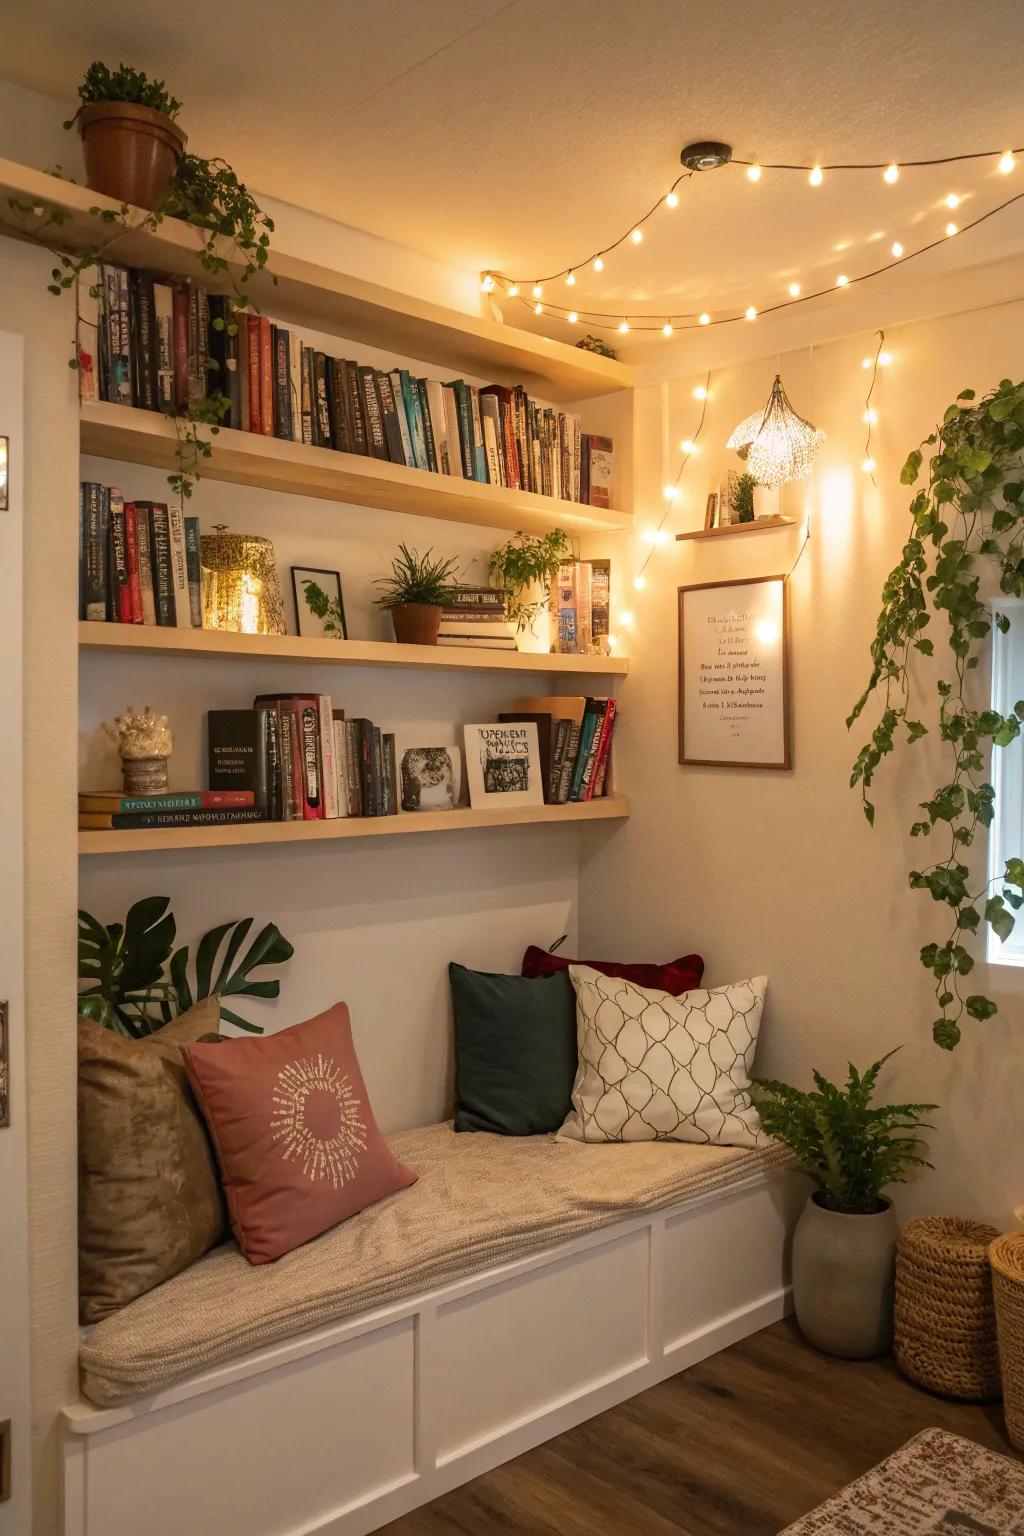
(937, 1484)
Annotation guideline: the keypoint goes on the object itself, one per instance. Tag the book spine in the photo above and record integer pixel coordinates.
(588, 727)
(289, 765)
(353, 760)
(452, 431)
(339, 405)
(584, 607)
(184, 819)
(307, 726)
(271, 724)
(429, 443)
(196, 341)
(377, 770)
(131, 549)
(566, 619)
(193, 570)
(561, 728)
(356, 414)
(266, 377)
(479, 450)
(282, 383)
(163, 581)
(216, 346)
(163, 328)
(179, 567)
(325, 728)
(390, 770)
(595, 786)
(413, 420)
(464, 422)
(120, 587)
(306, 386)
(295, 351)
(321, 403)
(569, 762)
(252, 323)
(144, 541)
(341, 765)
(95, 601)
(145, 343)
(375, 438)
(365, 759)
(201, 800)
(586, 784)
(402, 416)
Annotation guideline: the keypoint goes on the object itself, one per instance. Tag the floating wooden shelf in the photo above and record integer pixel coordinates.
(274, 464)
(148, 640)
(305, 293)
(165, 839)
(759, 525)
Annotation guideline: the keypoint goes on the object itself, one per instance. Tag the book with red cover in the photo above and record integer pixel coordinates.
(306, 767)
(595, 783)
(120, 586)
(266, 378)
(131, 547)
(252, 323)
(506, 408)
(114, 803)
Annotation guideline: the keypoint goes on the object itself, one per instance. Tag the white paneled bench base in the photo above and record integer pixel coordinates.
(341, 1428)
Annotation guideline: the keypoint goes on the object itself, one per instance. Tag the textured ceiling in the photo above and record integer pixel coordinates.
(524, 134)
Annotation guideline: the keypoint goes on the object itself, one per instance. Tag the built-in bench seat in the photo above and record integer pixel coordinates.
(480, 1200)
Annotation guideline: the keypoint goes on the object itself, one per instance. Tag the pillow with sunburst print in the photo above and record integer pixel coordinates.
(298, 1148)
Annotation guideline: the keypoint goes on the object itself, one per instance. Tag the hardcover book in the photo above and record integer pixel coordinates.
(236, 752)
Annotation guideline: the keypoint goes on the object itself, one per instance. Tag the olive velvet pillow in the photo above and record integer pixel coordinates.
(515, 1051)
(298, 1146)
(149, 1201)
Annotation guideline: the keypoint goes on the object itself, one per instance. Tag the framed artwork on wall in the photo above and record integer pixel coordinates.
(734, 674)
(319, 603)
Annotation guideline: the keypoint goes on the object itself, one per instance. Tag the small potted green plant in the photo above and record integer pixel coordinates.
(132, 144)
(414, 594)
(529, 563)
(844, 1246)
(742, 502)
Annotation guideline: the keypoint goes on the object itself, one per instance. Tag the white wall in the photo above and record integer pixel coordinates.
(778, 872)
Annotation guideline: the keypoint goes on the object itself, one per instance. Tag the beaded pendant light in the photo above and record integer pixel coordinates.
(777, 443)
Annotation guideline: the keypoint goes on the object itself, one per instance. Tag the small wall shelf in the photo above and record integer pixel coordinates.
(166, 839)
(275, 464)
(305, 293)
(759, 525)
(144, 639)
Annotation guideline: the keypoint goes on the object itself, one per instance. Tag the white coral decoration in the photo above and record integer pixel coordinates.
(140, 736)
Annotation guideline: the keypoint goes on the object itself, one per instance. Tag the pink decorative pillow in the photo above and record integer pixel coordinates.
(675, 976)
(298, 1147)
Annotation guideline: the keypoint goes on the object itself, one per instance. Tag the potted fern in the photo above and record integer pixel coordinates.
(844, 1246)
(415, 594)
(131, 143)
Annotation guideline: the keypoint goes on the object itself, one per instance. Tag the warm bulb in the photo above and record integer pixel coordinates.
(572, 317)
(538, 309)
(751, 312)
(637, 236)
(700, 393)
(897, 249)
(626, 620)
(570, 278)
(666, 329)
(952, 229)
(753, 173)
(884, 359)
(704, 319)
(868, 466)
(537, 290)
(639, 583)
(816, 177)
(598, 264)
(842, 280)
(687, 446)
(672, 200)
(870, 416)
(613, 641)
(487, 284)
(670, 495)
(513, 292)
(1007, 163)
(794, 290)
(624, 327)
(952, 201)
(891, 173)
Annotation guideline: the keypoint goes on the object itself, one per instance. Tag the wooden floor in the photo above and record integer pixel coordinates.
(737, 1446)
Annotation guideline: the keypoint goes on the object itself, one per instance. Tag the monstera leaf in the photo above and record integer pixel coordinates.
(269, 947)
(123, 964)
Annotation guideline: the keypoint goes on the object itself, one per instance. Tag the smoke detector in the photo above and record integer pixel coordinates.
(708, 155)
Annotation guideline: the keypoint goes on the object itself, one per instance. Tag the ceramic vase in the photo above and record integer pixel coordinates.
(843, 1269)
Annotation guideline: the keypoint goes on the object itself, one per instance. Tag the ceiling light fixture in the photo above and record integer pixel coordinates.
(777, 443)
(706, 155)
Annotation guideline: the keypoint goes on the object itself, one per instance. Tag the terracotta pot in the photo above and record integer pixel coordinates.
(843, 1268)
(131, 152)
(416, 623)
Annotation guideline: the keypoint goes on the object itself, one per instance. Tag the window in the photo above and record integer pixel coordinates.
(1006, 839)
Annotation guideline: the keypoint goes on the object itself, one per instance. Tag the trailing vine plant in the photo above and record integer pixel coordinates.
(970, 512)
(204, 193)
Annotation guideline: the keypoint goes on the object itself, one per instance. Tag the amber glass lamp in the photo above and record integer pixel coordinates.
(241, 592)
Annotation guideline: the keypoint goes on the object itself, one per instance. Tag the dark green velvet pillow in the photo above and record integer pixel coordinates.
(515, 1051)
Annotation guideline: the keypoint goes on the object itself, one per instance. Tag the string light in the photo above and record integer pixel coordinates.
(952, 201)
(671, 493)
(868, 466)
(754, 172)
(513, 292)
(870, 416)
(891, 173)
(1007, 163)
(666, 329)
(700, 393)
(751, 312)
(537, 290)
(570, 279)
(671, 200)
(572, 317)
(656, 537)
(598, 264)
(538, 309)
(627, 620)
(704, 318)
(896, 249)
(487, 285)
(637, 236)
(817, 176)
(688, 446)
(952, 229)
(639, 583)
(842, 280)
(794, 290)
(623, 327)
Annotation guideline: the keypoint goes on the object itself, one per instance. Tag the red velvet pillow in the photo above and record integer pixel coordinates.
(298, 1147)
(675, 976)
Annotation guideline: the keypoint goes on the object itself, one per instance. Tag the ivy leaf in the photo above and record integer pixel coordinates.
(912, 468)
(925, 647)
(999, 920)
(980, 1007)
(915, 730)
(946, 1034)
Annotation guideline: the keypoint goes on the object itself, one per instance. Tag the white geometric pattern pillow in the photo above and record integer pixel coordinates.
(654, 1067)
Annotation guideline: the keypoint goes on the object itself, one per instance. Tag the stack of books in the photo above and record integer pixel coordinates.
(163, 346)
(582, 607)
(98, 810)
(138, 561)
(302, 760)
(574, 734)
(475, 617)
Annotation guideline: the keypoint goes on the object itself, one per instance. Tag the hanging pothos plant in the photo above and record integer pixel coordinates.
(970, 513)
(204, 193)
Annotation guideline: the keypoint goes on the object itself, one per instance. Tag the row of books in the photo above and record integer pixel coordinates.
(581, 607)
(98, 809)
(138, 561)
(574, 734)
(475, 617)
(162, 346)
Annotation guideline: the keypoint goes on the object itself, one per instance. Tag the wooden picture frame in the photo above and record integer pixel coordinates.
(734, 656)
(306, 622)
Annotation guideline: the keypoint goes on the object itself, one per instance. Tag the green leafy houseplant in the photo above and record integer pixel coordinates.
(134, 983)
(851, 1149)
(742, 502)
(416, 578)
(526, 561)
(968, 516)
(100, 83)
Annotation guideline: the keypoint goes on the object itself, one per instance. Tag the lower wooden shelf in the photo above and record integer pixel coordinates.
(165, 839)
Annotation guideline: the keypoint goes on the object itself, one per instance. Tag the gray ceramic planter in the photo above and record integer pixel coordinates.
(843, 1280)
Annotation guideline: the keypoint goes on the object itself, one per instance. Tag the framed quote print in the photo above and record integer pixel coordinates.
(734, 674)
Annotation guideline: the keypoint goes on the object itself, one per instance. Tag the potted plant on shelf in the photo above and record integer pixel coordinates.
(525, 568)
(844, 1246)
(132, 144)
(414, 594)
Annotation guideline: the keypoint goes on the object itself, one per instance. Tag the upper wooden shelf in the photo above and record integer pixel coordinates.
(308, 294)
(158, 641)
(276, 464)
(759, 525)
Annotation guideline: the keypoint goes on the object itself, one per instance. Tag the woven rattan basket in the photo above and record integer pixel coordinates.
(1007, 1257)
(944, 1323)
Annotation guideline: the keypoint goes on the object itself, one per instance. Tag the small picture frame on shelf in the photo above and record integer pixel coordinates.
(429, 775)
(711, 511)
(503, 765)
(319, 603)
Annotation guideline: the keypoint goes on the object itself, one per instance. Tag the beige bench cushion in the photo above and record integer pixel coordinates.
(480, 1200)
